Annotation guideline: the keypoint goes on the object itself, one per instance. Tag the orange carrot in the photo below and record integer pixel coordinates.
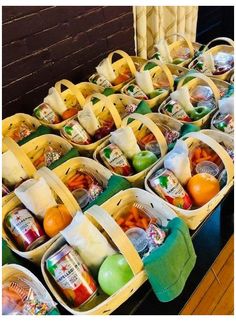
(120, 221)
(39, 161)
(204, 153)
(197, 152)
(129, 224)
(135, 213)
(199, 160)
(144, 221)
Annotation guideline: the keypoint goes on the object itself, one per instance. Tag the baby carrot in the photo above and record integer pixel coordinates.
(144, 222)
(129, 224)
(120, 220)
(135, 213)
(204, 153)
(202, 159)
(197, 152)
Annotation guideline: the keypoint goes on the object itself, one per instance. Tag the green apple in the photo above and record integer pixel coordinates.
(199, 112)
(143, 160)
(114, 273)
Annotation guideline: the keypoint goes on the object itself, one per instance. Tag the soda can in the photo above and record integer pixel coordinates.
(134, 91)
(174, 110)
(76, 133)
(24, 229)
(72, 276)
(100, 81)
(46, 113)
(167, 186)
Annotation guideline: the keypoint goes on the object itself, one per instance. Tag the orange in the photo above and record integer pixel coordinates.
(56, 219)
(69, 113)
(202, 188)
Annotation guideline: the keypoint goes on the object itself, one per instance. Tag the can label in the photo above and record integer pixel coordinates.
(174, 110)
(24, 228)
(73, 278)
(100, 81)
(76, 133)
(167, 186)
(45, 112)
(135, 91)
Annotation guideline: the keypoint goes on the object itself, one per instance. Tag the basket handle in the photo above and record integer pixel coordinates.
(154, 129)
(228, 40)
(96, 95)
(21, 156)
(117, 235)
(166, 71)
(113, 111)
(218, 149)
(127, 58)
(206, 79)
(72, 88)
(188, 42)
(60, 189)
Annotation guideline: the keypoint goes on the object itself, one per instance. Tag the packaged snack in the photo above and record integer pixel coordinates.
(46, 113)
(72, 276)
(88, 241)
(204, 153)
(167, 186)
(88, 119)
(21, 131)
(23, 296)
(125, 139)
(29, 192)
(47, 157)
(178, 162)
(155, 237)
(115, 160)
(223, 62)
(24, 229)
(76, 133)
(201, 93)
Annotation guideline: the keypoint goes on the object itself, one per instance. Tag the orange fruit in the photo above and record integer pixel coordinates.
(202, 188)
(56, 219)
(69, 113)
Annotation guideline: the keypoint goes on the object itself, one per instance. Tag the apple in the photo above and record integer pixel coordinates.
(199, 112)
(143, 160)
(114, 273)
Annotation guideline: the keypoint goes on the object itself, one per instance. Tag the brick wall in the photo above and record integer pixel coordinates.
(44, 44)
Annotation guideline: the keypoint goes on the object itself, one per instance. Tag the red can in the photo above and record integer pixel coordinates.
(72, 276)
(24, 229)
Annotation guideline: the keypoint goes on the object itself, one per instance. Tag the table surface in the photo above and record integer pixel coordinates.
(208, 240)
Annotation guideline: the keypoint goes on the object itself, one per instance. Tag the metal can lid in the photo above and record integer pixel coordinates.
(57, 256)
(207, 167)
(138, 237)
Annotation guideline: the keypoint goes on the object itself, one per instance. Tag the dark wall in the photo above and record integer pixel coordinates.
(42, 45)
(215, 21)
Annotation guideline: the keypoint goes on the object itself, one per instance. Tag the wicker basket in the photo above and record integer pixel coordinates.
(101, 109)
(139, 126)
(155, 73)
(198, 80)
(67, 199)
(103, 217)
(194, 217)
(214, 50)
(81, 91)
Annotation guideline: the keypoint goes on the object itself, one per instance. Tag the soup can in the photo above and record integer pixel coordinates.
(72, 276)
(24, 229)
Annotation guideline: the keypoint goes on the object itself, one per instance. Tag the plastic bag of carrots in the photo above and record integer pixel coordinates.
(204, 153)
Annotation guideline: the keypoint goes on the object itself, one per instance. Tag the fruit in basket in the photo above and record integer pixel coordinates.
(114, 273)
(202, 188)
(70, 112)
(56, 219)
(143, 160)
(199, 112)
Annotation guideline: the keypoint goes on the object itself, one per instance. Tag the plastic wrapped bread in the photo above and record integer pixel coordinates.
(163, 49)
(12, 171)
(105, 69)
(226, 105)
(54, 100)
(88, 241)
(125, 139)
(88, 119)
(144, 81)
(183, 98)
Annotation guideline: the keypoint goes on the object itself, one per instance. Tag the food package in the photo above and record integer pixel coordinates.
(54, 100)
(88, 241)
(105, 69)
(47, 156)
(178, 162)
(12, 171)
(226, 105)
(208, 63)
(36, 195)
(22, 296)
(163, 49)
(125, 139)
(20, 131)
(88, 119)
(183, 98)
(201, 94)
(144, 81)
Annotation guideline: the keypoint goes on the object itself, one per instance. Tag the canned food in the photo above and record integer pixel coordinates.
(71, 275)
(115, 160)
(167, 186)
(173, 109)
(135, 91)
(46, 113)
(76, 133)
(100, 81)
(24, 229)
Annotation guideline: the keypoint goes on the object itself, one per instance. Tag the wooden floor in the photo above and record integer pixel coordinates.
(215, 294)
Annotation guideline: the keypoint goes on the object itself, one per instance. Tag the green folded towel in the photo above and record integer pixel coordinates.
(115, 185)
(41, 130)
(169, 266)
(70, 154)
